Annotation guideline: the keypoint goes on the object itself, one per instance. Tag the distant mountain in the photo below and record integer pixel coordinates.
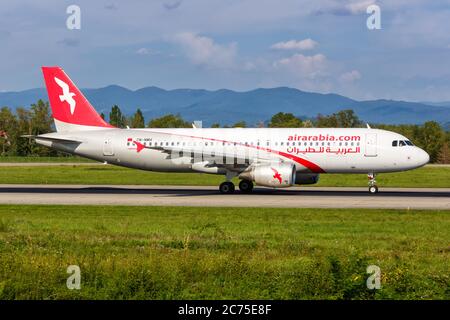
(227, 106)
(438, 104)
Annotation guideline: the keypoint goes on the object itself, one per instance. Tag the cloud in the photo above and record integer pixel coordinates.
(359, 6)
(306, 44)
(204, 51)
(172, 4)
(143, 51)
(110, 6)
(69, 42)
(346, 9)
(303, 66)
(349, 77)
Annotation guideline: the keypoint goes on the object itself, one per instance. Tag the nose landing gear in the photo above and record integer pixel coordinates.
(373, 188)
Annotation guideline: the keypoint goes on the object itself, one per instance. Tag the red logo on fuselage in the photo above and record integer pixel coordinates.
(277, 175)
(139, 146)
(133, 144)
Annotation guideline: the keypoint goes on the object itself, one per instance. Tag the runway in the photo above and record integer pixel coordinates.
(297, 197)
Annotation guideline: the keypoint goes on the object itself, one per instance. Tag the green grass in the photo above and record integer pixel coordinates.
(13, 159)
(430, 176)
(222, 253)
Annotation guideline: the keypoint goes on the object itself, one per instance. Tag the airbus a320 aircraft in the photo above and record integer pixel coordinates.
(269, 157)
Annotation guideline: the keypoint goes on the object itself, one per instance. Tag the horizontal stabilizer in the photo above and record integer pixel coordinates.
(53, 139)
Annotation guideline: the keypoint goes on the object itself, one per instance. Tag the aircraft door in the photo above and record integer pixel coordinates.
(371, 145)
(108, 148)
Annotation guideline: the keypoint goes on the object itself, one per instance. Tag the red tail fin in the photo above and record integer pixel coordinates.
(71, 110)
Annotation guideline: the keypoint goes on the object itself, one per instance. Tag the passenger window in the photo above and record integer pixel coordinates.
(394, 143)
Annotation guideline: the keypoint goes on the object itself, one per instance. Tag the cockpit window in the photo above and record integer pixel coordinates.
(401, 143)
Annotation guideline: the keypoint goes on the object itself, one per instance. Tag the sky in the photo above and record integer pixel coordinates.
(321, 46)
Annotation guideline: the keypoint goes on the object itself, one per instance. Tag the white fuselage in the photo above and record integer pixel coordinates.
(317, 150)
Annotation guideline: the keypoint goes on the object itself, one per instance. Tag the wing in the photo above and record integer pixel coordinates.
(235, 158)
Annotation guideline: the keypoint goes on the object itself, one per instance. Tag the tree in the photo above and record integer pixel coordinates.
(138, 120)
(169, 121)
(240, 124)
(116, 118)
(215, 125)
(444, 154)
(431, 138)
(8, 130)
(308, 124)
(23, 128)
(41, 122)
(342, 119)
(347, 119)
(326, 121)
(285, 120)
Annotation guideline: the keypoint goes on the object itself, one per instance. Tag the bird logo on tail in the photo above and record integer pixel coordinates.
(66, 94)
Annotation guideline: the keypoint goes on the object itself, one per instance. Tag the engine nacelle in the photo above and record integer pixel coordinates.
(306, 178)
(280, 175)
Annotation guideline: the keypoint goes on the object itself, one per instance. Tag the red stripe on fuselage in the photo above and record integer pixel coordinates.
(306, 163)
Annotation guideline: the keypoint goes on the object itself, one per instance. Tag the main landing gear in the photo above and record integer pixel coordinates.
(372, 183)
(246, 186)
(227, 187)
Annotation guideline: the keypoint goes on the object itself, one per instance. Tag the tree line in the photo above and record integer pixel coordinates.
(37, 120)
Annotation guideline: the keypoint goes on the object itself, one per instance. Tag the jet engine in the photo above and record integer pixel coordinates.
(280, 175)
(306, 178)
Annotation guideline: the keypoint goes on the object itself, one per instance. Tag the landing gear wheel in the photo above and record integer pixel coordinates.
(246, 186)
(373, 189)
(226, 187)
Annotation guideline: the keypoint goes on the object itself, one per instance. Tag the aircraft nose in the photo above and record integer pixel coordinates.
(422, 157)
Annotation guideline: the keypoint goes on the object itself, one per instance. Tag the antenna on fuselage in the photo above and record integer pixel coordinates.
(368, 127)
(197, 124)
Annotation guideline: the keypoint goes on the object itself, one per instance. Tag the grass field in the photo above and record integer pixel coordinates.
(223, 253)
(429, 176)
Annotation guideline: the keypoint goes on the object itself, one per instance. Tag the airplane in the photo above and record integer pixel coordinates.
(269, 157)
